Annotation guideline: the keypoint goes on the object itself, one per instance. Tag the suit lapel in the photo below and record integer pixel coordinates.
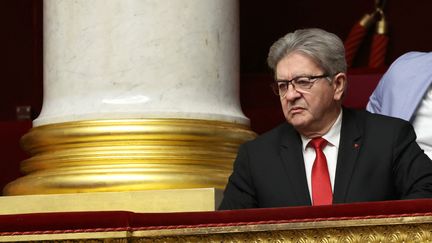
(349, 146)
(292, 159)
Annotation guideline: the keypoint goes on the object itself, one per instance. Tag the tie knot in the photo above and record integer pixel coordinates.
(318, 143)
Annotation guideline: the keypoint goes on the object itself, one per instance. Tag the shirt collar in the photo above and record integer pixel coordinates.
(332, 136)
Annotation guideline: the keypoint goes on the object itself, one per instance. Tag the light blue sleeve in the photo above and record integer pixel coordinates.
(402, 87)
(375, 100)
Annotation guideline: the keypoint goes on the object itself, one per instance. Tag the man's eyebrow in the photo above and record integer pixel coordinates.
(294, 77)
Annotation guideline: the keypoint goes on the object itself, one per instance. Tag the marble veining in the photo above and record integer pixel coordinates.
(108, 59)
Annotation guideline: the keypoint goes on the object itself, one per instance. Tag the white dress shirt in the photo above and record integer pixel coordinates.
(330, 151)
(422, 123)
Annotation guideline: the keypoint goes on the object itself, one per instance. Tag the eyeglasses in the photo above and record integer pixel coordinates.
(301, 83)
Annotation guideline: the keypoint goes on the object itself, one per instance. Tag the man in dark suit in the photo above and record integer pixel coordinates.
(325, 153)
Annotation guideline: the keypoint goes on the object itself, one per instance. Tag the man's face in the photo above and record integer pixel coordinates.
(311, 111)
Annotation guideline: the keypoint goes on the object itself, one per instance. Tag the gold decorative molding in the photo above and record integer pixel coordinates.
(128, 155)
(106, 237)
(378, 234)
(399, 229)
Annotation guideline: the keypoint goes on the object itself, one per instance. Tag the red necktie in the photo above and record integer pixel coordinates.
(321, 186)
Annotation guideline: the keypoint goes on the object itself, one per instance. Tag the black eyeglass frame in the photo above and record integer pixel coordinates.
(311, 81)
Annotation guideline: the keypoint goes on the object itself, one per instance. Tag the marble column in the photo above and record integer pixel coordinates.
(138, 94)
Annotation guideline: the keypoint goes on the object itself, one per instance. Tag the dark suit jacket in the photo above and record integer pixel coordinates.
(378, 160)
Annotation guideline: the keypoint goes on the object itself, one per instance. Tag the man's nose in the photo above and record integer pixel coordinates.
(291, 93)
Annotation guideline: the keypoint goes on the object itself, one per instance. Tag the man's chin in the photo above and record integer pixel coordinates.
(298, 123)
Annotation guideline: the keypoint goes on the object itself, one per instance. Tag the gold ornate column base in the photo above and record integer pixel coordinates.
(127, 155)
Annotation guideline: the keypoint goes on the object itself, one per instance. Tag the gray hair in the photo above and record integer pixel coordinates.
(325, 48)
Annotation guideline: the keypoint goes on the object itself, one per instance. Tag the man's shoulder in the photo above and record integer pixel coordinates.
(364, 116)
(414, 57)
(273, 135)
(411, 64)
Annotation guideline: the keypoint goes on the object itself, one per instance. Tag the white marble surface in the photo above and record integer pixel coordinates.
(109, 59)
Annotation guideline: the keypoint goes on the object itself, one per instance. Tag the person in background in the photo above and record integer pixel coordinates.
(324, 153)
(405, 92)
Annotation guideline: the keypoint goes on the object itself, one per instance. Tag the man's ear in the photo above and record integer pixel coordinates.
(339, 85)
